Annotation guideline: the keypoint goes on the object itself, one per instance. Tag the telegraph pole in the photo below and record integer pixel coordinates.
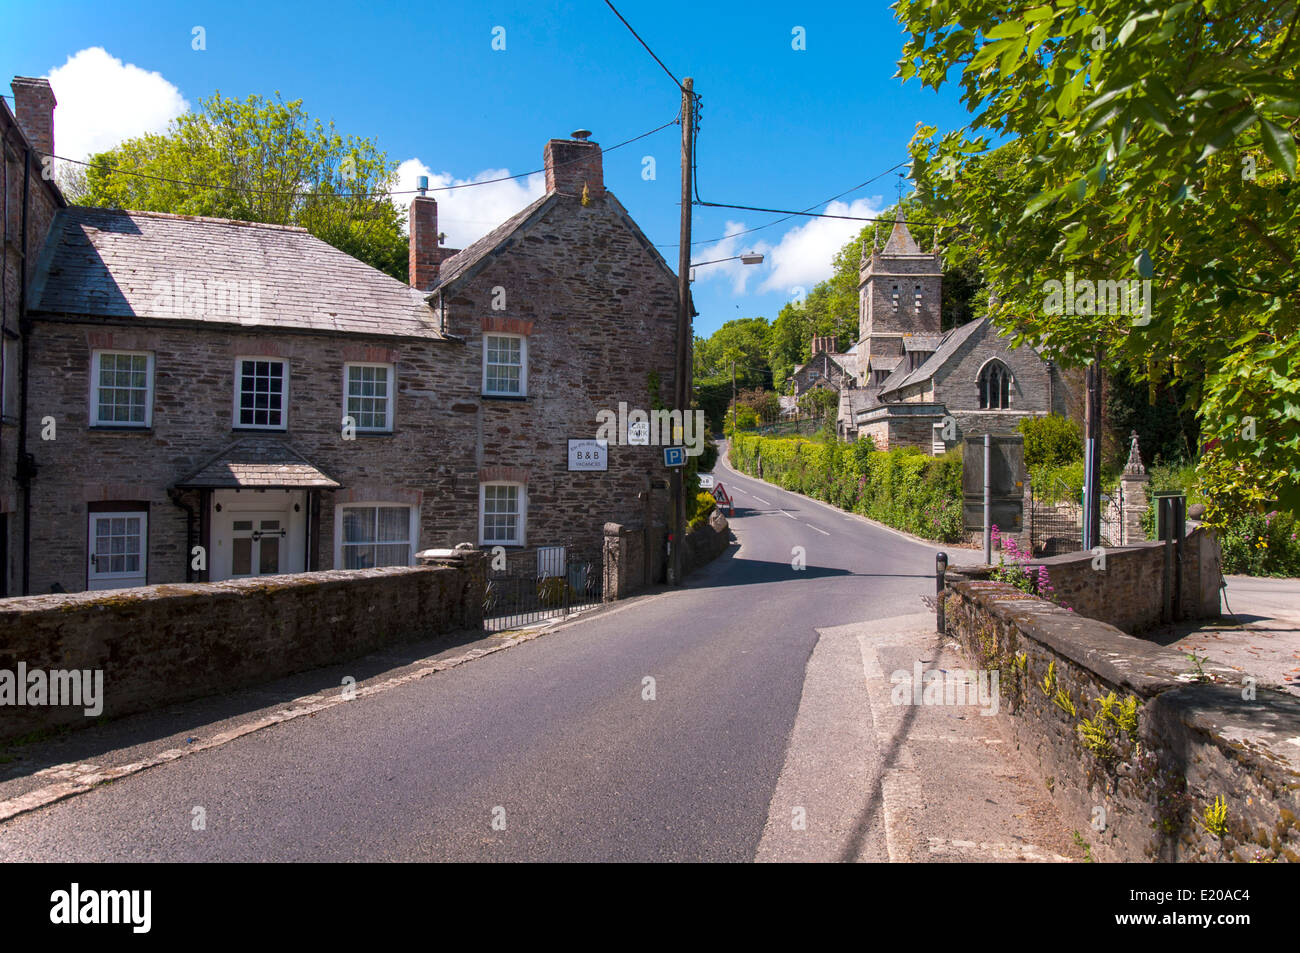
(681, 389)
(733, 396)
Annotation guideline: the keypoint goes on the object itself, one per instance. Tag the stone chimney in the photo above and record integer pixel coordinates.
(34, 109)
(425, 253)
(572, 164)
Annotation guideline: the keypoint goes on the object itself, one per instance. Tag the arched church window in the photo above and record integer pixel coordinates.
(995, 386)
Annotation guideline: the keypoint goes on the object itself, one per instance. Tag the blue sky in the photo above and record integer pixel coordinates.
(781, 128)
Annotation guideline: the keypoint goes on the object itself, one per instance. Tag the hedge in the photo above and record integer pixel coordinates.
(902, 488)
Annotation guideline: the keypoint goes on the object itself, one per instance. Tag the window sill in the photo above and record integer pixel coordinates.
(259, 429)
(119, 428)
(518, 398)
(375, 433)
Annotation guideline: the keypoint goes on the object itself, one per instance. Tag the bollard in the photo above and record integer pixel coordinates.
(940, 567)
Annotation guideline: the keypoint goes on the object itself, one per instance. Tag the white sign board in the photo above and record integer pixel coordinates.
(638, 433)
(706, 481)
(588, 454)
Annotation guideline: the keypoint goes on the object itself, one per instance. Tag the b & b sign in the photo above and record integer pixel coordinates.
(588, 455)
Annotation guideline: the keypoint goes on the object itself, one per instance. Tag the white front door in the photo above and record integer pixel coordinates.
(257, 533)
(257, 544)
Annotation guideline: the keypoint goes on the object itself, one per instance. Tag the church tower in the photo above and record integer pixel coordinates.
(899, 291)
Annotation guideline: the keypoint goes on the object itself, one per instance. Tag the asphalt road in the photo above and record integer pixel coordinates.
(547, 751)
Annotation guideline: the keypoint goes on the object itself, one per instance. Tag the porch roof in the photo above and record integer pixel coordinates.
(257, 462)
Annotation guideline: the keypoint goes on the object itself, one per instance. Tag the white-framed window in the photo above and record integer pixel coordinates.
(118, 543)
(370, 535)
(502, 511)
(368, 396)
(261, 393)
(121, 389)
(505, 365)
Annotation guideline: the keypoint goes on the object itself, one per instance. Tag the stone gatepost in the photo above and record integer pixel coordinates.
(1027, 518)
(1133, 496)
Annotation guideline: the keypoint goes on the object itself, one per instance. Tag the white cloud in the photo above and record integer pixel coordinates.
(468, 214)
(802, 257)
(805, 252)
(102, 101)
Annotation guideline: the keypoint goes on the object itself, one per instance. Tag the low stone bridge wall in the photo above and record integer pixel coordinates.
(155, 645)
(1147, 756)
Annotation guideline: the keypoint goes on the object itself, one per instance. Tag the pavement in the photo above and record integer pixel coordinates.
(1258, 634)
(681, 724)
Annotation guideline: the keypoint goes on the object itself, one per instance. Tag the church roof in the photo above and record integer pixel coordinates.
(953, 340)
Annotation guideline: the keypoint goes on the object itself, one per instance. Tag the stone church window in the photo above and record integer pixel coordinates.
(918, 298)
(995, 386)
(894, 297)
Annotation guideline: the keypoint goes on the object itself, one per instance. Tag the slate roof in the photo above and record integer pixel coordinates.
(257, 462)
(922, 342)
(466, 263)
(104, 263)
(952, 340)
(901, 242)
(458, 264)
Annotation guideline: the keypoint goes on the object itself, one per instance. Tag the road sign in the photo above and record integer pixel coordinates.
(706, 481)
(723, 498)
(674, 456)
(638, 433)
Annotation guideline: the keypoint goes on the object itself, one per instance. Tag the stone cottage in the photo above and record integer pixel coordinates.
(826, 369)
(211, 399)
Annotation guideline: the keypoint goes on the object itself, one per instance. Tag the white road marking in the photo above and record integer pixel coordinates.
(822, 531)
(761, 500)
(784, 513)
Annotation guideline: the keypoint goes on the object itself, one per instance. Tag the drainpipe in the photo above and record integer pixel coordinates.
(26, 469)
(191, 518)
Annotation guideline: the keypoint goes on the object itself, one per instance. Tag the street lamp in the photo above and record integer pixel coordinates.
(749, 258)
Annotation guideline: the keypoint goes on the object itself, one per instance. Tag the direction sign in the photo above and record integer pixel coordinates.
(674, 456)
(706, 481)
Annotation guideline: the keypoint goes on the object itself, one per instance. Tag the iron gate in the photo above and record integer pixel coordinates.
(1056, 521)
(530, 586)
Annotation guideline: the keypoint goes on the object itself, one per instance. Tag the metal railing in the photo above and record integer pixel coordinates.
(539, 584)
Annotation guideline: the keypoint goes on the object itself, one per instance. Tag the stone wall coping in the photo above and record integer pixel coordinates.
(121, 598)
(1262, 732)
(1139, 666)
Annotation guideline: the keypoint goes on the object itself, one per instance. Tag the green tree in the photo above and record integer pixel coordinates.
(1143, 140)
(259, 160)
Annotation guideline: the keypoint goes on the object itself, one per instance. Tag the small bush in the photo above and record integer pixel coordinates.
(1050, 441)
(704, 505)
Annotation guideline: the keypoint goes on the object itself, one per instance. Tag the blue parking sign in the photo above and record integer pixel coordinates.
(674, 456)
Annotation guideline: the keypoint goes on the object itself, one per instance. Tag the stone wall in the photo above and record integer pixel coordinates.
(1140, 787)
(625, 560)
(161, 644)
(1128, 592)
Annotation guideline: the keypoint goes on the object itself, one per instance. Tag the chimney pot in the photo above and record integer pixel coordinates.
(34, 109)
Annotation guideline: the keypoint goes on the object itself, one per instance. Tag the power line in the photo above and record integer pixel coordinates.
(646, 45)
(790, 215)
(347, 195)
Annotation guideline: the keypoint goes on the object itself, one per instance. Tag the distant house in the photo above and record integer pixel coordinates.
(913, 377)
(826, 369)
(210, 399)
